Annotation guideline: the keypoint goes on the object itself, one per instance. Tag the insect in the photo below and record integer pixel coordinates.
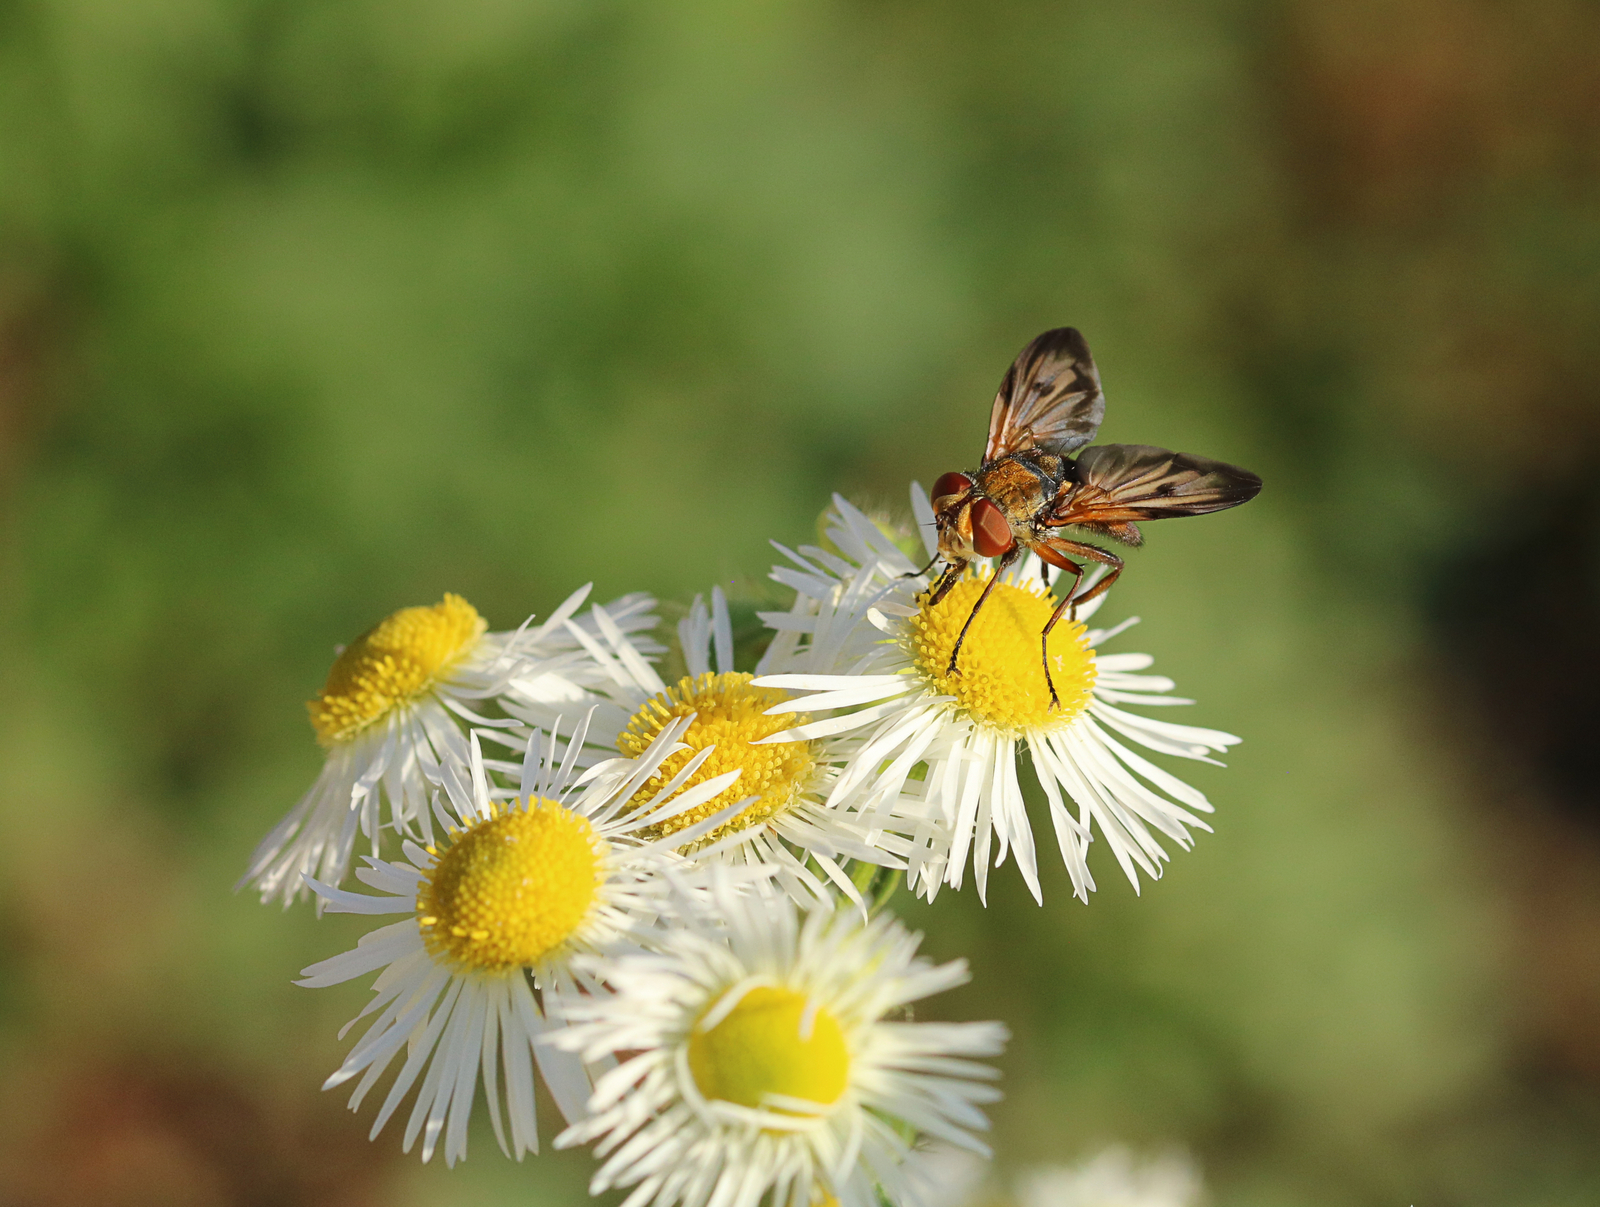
(1029, 486)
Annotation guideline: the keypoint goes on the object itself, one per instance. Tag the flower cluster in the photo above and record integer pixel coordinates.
(664, 899)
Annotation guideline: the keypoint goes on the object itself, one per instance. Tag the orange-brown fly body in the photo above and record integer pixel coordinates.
(1030, 486)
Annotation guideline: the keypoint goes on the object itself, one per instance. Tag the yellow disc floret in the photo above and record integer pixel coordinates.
(511, 889)
(773, 1042)
(392, 663)
(999, 678)
(729, 714)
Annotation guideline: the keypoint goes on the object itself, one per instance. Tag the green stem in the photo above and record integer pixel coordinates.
(862, 876)
(884, 887)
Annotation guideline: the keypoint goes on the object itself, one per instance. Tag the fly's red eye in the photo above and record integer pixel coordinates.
(951, 484)
(991, 534)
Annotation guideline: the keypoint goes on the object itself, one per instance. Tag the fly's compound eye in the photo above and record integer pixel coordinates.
(951, 484)
(991, 534)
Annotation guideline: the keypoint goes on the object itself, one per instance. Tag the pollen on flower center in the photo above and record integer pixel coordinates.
(730, 715)
(773, 1042)
(511, 889)
(999, 678)
(395, 661)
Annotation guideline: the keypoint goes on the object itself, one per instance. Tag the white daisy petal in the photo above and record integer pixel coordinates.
(927, 526)
(1114, 1176)
(722, 631)
(694, 637)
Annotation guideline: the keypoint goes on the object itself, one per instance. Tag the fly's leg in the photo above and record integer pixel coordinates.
(951, 575)
(1049, 556)
(1005, 561)
(1052, 557)
(1096, 555)
(1055, 552)
(919, 573)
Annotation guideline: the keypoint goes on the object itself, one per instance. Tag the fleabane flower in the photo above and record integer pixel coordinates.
(499, 908)
(788, 822)
(392, 713)
(759, 1063)
(871, 648)
(1114, 1178)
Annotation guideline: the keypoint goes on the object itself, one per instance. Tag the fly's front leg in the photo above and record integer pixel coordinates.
(951, 575)
(919, 573)
(1005, 561)
(1054, 550)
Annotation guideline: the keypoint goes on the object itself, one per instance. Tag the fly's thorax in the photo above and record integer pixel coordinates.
(1018, 486)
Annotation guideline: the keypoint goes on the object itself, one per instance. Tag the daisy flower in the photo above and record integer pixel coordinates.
(869, 648)
(501, 907)
(757, 1064)
(391, 714)
(1114, 1178)
(791, 826)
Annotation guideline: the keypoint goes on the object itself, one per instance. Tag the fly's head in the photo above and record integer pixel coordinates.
(970, 525)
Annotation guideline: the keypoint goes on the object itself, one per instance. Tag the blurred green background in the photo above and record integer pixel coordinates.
(309, 311)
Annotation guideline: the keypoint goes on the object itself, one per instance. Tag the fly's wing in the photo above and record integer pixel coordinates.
(1120, 483)
(1050, 398)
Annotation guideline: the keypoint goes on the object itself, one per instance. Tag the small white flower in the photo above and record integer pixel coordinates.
(392, 713)
(1114, 1178)
(759, 1065)
(789, 820)
(864, 643)
(943, 1175)
(515, 893)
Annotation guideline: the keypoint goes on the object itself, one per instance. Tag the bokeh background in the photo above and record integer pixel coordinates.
(310, 311)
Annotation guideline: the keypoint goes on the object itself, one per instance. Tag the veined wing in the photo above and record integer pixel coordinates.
(1050, 398)
(1118, 483)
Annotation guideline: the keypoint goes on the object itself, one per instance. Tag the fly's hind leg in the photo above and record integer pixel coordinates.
(1051, 557)
(1095, 554)
(1054, 550)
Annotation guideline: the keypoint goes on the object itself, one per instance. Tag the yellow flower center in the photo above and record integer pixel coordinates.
(771, 1043)
(392, 663)
(729, 714)
(511, 889)
(999, 678)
